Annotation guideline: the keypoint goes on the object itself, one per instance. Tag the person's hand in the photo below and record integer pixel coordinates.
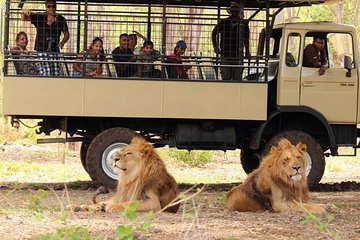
(61, 45)
(217, 50)
(322, 70)
(247, 55)
(27, 12)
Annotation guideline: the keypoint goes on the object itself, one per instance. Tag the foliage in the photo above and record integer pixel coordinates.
(70, 233)
(126, 232)
(36, 200)
(19, 134)
(193, 158)
(321, 222)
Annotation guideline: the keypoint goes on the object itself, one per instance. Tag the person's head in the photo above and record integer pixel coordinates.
(50, 6)
(319, 42)
(180, 47)
(124, 41)
(132, 41)
(97, 45)
(234, 9)
(22, 39)
(148, 47)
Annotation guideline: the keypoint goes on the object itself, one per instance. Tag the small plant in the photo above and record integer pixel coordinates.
(36, 201)
(69, 233)
(194, 158)
(126, 232)
(321, 222)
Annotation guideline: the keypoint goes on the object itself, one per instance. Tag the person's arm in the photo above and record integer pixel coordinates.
(78, 65)
(99, 68)
(25, 15)
(140, 35)
(247, 39)
(65, 39)
(214, 39)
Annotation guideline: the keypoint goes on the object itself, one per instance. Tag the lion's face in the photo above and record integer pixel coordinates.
(127, 159)
(290, 161)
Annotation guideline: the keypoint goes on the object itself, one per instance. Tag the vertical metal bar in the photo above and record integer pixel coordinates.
(6, 34)
(163, 44)
(86, 16)
(78, 41)
(267, 40)
(149, 22)
(218, 42)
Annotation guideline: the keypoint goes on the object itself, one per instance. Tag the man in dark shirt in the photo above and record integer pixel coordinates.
(49, 27)
(315, 56)
(226, 42)
(124, 54)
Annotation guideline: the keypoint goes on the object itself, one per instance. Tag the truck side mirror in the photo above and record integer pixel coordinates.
(348, 65)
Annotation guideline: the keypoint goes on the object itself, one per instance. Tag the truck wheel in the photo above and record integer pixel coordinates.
(315, 155)
(249, 160)
(99, 162)
(83, 150)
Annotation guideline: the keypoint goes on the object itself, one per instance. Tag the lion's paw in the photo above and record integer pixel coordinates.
(73, 207)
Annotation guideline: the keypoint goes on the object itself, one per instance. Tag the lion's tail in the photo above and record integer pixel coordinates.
(100, 190)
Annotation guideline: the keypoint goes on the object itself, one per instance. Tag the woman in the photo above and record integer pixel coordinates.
(92, 56)
(23, 67)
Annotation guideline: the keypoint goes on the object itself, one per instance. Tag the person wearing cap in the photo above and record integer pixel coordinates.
(226, 42)
(49, 26)
(178, 71)
(315, 56)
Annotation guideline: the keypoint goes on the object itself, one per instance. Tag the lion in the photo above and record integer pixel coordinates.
(279, 184)
(142, 177)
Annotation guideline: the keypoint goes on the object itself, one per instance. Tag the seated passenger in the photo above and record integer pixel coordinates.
(133, 42)
(148, 55)
(178, 71)
(93, 56)
(26, 67)
(315, 56)
(124, 54)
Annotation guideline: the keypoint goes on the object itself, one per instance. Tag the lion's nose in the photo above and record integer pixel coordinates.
(296, 168)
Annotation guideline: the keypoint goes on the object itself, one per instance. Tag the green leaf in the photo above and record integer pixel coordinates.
(130, 211)
(124, 232)
(322, 226)
(145, 226)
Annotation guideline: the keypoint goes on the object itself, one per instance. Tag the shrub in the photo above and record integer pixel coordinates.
(195, 158)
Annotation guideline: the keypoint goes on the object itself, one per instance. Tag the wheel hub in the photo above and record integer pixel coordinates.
(308, 163)
(107, 159)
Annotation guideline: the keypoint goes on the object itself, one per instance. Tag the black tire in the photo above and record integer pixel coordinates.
(100, 151)
(249, 159)
(83, 151)
(316, 157)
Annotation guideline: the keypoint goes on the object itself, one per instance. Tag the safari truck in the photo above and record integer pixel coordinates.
(275, 97)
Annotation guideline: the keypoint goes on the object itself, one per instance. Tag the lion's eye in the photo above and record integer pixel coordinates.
(298, 157)
(128, 153)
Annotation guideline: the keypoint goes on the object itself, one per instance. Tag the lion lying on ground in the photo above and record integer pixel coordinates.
(142, 177)
(278, 185)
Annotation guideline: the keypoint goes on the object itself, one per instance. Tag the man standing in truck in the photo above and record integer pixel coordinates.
(315, 56)
(227, 41)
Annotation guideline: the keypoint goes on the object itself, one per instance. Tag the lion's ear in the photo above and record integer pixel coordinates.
(284, 143)
(146, 149)
(138, 140)
(301, 147)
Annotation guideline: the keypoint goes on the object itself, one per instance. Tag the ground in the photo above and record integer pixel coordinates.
(28, 213)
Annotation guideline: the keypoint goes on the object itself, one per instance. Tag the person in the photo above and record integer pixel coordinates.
(20, 51)
(133, 42)
(148, 55)
(315, 56)
(124, 54)
(49, 27)
(93, 57)
(175, 57)
(226, 42)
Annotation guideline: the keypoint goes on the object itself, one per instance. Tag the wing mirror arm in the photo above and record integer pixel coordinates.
(348, 65)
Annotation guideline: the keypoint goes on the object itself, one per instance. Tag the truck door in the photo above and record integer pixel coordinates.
(333, 94)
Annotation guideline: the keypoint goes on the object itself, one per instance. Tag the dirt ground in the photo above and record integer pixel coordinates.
(27, 213)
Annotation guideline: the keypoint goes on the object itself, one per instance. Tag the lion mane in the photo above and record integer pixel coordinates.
(279, 184)
(143, 177)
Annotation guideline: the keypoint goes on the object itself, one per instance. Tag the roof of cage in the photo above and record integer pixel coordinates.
(222, 3)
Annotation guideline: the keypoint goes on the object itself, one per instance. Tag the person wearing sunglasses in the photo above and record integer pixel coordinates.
(49, 26)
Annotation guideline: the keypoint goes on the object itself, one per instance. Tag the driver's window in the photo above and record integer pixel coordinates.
(339, 46)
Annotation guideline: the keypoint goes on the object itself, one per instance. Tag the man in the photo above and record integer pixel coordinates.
(315, 56)
(124, 54)
(49, 26)
(226, 42)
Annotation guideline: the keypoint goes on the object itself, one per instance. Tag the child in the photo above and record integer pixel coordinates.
(148, 55)
(92, 56)
(26, 67)
(178, 71)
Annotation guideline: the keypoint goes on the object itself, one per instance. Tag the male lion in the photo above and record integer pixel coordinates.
(278, 185)
(142, 177)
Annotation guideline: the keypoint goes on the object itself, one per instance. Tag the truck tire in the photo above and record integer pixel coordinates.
(249, 160)
(99, 162)
(83, 151)
(315, 155)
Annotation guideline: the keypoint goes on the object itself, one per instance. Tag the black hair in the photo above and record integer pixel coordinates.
(102, 52)
(133, 35)
(19, 34)
(319, 36)
(148, 42)
(124, 35)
